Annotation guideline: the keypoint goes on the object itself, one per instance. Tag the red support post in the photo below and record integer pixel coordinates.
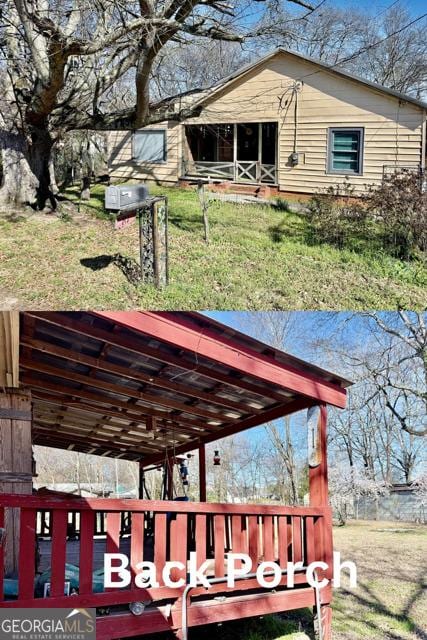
(318, 481)
(202, 473)
(318, 476)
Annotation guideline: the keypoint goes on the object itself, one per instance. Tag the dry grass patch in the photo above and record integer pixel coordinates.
(258, 258)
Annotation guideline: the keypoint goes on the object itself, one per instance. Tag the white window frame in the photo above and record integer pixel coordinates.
(329, 157)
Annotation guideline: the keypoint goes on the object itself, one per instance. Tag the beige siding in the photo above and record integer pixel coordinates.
(123, 166)
(392, 130)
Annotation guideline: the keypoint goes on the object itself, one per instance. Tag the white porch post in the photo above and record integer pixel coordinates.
(235, 172)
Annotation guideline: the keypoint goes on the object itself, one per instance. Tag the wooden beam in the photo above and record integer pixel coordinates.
(318, 476)
(63, 439)
(129, 392)
(177, 331)
(133, 421)
(160, 506)
(133, 374)
(141, 411)
(268, 416)
(9, 349)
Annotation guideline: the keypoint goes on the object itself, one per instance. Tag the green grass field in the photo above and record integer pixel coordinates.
(390, 602)
(259, 257)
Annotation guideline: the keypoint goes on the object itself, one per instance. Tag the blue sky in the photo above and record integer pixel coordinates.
(307, 328)
(416, 7)
(311, 336)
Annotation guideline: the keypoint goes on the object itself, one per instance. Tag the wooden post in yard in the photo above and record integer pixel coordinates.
(318, 483)
(15, 434)
(202, 473)
(204, 207)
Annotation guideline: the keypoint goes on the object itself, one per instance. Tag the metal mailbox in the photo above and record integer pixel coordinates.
(125, 198)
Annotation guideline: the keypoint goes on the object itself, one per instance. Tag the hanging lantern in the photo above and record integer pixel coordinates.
(217, 459)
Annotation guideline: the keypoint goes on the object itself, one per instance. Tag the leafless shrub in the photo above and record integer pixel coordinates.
(335, 214)
(391, 216)
(400, 206)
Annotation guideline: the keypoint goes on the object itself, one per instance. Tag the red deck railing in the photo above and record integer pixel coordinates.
(152, 530)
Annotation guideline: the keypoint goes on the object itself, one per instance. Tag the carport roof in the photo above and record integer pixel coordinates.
(143, 385)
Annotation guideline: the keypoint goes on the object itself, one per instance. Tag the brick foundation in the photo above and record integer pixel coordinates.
(257, 190)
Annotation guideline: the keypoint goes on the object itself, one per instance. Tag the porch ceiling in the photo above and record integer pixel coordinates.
(138, 385)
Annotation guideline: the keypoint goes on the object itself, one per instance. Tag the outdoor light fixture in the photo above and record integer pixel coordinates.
(137, 608)
(217, 459)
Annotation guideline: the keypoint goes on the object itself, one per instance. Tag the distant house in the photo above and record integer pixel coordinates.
(287, 122)
(401, 503)
(85, 490)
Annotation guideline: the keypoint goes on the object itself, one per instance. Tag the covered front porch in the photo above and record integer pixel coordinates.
(241, 152)
(151, 388)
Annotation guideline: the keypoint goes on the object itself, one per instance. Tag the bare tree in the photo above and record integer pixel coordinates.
(61, 59)
(400, 373)
(284, 451)
(384, 48)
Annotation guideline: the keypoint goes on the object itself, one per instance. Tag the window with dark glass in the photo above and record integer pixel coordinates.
(345, 151)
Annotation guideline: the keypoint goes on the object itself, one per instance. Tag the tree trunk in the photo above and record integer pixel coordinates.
(26, 169)
(85, 191)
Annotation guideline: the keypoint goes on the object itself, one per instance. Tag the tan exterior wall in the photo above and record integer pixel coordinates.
(392, 130)
(123, 167)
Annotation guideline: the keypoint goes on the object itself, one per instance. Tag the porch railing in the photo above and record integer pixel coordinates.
(240, 171)
(157, 531)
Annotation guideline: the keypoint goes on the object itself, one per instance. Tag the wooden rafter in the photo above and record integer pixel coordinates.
(132, 374)
(160, 400)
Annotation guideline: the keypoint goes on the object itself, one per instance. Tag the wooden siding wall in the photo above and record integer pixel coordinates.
(122, 165)
(392, 129)
(15, 464)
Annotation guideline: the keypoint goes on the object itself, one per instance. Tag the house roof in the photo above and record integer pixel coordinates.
(323, 67)
(140, 385)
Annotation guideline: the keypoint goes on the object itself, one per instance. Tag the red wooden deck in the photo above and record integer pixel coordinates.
(147, 387)
(166, 531)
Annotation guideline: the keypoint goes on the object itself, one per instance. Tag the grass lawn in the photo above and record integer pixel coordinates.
(258, 258)
(390, 602)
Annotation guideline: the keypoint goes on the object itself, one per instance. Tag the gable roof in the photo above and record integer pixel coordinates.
(222, 84)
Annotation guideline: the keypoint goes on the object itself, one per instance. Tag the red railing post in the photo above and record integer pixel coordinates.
(87, 528)
(27, 553)
(58, 552)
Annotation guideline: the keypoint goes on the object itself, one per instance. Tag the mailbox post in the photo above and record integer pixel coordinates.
(130, 201)
(153, 241)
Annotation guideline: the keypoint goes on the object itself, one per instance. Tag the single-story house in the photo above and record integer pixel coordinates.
(286, 121)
